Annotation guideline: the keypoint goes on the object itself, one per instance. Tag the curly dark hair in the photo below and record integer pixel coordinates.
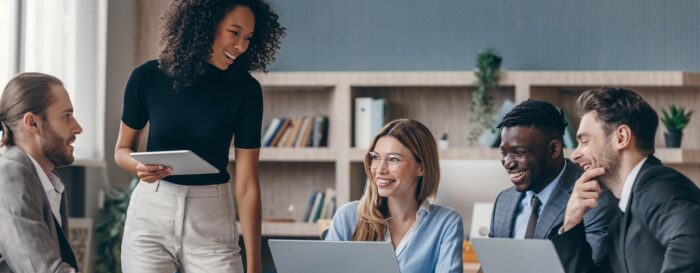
(539, 114)
(189, 30)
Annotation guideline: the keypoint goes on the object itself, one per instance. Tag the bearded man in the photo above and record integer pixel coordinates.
(657, 228)
(38, 129)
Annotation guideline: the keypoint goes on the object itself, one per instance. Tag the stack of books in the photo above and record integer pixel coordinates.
(306, 131)
(321, 206)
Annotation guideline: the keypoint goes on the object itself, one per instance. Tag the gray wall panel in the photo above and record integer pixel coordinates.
(531, 35)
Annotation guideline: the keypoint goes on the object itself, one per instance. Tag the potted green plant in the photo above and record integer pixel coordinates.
(443, 143)
(674, 119)
(488, 73)
(110, 228)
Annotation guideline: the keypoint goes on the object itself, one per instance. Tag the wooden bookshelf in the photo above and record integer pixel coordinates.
(321, 154)
(666, 155)
(451, 154)
(441, 100)
(282, 229)
(673, 156)
(438, 98)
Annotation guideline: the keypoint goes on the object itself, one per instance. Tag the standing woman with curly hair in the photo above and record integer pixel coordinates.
(199, 96)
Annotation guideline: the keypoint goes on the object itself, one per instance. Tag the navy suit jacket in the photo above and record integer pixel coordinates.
(659, 232)
(596, 221)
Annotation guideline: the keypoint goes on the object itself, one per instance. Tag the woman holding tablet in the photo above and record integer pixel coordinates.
(199, 96)
(403, 172)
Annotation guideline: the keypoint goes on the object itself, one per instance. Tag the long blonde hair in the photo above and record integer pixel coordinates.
(373, 209)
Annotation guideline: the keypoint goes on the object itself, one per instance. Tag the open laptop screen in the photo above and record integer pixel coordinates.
(498, 255)
(305, 256)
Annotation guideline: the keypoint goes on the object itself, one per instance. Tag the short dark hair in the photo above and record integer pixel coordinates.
(615, 106)
(25, 93)
(539, 114)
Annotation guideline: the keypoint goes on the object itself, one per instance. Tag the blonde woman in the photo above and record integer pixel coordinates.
(403, 174)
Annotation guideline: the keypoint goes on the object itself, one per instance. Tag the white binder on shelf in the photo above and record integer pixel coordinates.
(492, 138)
(369, 119)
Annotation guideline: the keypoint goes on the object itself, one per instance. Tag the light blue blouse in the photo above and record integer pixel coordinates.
(434, 243)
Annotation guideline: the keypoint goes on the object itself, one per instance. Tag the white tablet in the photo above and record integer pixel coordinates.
(183, 162)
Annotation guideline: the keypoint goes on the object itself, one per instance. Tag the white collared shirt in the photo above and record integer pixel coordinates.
(629, 183)
(53, 188)
(423, 210)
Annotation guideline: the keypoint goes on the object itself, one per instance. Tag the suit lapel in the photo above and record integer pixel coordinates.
(553, 212)
(64, 230)
(508, 204)
(650, 162)
(64, 206)
(627, 215)
(617, 241)
(66, 250)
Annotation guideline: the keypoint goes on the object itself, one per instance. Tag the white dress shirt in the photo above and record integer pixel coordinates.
(53, 188)
(629, 183)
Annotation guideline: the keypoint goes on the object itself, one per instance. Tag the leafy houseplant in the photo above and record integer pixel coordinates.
(443, 143)
(488, 73)
(109, 229)
(674, 119)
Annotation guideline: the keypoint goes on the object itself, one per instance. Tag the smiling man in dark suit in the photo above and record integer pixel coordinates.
(531, 147)
(657, 228)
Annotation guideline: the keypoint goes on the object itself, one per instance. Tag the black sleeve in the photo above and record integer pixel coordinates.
(134, 112)
(670, 206)
(247, 129)
(597, 221)
(575, 252)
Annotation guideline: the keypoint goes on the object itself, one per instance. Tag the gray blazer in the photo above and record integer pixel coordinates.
(30, 238)
(596, 220)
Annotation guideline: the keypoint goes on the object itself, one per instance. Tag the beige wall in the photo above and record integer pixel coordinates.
(132, 38)
(121, 59)
(149, 21)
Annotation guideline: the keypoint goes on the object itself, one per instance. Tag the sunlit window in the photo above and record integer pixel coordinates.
(66, 39)
(49, 39)
(9, 36)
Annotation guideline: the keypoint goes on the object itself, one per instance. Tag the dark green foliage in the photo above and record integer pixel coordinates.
(675, 118)
(488, 73)
(109, 229)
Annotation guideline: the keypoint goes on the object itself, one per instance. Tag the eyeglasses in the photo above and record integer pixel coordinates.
(393, 161)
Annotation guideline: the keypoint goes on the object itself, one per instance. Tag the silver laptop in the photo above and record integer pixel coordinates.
(307, 256)
(497, 255)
